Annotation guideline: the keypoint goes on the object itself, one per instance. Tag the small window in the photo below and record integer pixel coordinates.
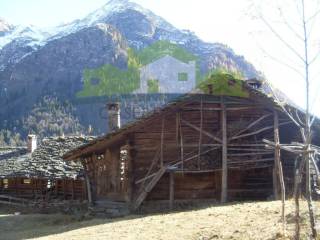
(5, 183)
(182, 76)
(26, 181)
(49, 184)
(153, 86)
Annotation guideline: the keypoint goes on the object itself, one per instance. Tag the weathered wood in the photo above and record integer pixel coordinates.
(257, 131)
(171, 191)
(224, 176)
(251, 125)
(148, 188)
(88, 185)
(198, 129)
(161, 144)
(181, 144)
(129, 173)
(200, 133)
(275, 184)
(279, 167)
(250, 154)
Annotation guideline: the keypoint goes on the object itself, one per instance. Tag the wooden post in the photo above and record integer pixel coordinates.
(88, 189)
(64, 188)
(171, 187)
(275, 183)
(279, 167)
(200, 133)
(129, 176)
(224, 176)
(161, 144)
(181, 145)
(56, 185)
(72, 189)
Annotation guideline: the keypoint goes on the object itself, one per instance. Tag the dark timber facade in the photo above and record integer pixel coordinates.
(198, 147)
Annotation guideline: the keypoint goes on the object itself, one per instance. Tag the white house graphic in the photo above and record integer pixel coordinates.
(167, 75)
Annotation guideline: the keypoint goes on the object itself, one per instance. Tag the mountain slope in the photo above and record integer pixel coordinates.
(35, 63)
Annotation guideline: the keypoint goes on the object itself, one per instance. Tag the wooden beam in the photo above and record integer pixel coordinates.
(279, 165)
(258, 131)
(224, 176)
(171, 187)
(88, 185)
(200, 133)
(203, 131)
(252, 124)
(161, 142)
(275, 183)
(72, 189)
(129, 173)
(181, 144)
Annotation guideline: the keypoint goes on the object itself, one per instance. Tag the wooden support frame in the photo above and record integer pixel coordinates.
(88, 186)
(181, 143)
(279, 166)
(171, 190)
(224, 175)
(200, 134)
(161, 141)
(203, 131)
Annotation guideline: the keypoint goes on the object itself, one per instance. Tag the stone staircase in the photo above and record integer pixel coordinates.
(107, 208)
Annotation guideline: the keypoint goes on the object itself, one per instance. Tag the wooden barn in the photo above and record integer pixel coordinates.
(204, 145)
(39, 173)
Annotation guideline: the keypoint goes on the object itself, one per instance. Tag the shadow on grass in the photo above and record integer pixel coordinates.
(16, 224)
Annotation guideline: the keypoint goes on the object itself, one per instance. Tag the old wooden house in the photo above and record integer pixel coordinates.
(39, 172)
(205, 144)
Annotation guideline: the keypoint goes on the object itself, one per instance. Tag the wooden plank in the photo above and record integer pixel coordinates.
(161, 144)
(257, 131)
(252, 124)
(171, 187)
(224, 176)
(200, 133)
(181, 145)
(148, 188)
(203, 131)
(72, 189)
(88, 185)
(275, 183)
(279, 166)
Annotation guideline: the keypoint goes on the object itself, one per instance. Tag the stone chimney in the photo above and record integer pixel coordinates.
(32, 143)
(113, 116)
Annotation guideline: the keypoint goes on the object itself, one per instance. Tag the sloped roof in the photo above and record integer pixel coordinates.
(46, 161)
(9, 152)
(264, 92)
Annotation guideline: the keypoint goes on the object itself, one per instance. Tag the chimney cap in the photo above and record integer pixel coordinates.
(113, 106)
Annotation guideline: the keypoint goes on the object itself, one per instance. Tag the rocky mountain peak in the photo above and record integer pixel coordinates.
(5, 26)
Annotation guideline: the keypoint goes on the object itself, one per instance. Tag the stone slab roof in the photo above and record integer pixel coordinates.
(46, 161)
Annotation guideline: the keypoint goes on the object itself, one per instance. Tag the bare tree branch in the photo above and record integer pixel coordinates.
(281, 39)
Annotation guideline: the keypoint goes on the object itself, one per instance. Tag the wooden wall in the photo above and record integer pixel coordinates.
(41, 189)
(189, 140)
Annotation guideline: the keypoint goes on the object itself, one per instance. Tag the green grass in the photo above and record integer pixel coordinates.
(224, 83)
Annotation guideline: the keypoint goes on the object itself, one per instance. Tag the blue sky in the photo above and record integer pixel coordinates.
(229, 21)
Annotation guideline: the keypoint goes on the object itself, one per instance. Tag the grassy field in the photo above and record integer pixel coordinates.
(258, 220)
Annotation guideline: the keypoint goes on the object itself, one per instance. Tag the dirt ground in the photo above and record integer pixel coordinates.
(256, 220)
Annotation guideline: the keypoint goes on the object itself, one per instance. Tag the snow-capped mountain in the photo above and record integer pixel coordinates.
(5, 27)
(36, 62)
